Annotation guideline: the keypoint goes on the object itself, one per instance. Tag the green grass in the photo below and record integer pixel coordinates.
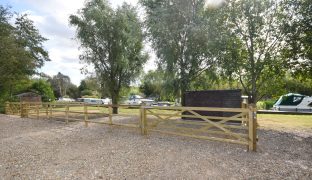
(288, 122)
(266, 121)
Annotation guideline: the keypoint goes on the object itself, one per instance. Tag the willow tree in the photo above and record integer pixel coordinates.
(111, 40)
(180, 35)
(254, 52)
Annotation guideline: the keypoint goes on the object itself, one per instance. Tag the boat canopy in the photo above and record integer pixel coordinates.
(290, 99)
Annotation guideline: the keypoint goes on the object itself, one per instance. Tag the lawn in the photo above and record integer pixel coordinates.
(265, 121)
(286, 122)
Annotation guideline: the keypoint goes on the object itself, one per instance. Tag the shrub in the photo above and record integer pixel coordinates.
(268, 104)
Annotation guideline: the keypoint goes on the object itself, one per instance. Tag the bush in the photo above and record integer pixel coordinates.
(268, 104)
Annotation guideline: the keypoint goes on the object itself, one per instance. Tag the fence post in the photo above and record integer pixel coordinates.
(37, 110)
(66, 113)
(110, 114)
(141, 119)
(23, 110)
(252, 128)
(144, 121)
(245, 117)
(7, 106)
(47, 110)
(85, 110)
(50, 107)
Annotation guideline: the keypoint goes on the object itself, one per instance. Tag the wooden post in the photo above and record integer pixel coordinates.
(252, 128)
(110, 114)
(141, 119)
(23, 110)
(66, 113)
(7, 107)
(144, 121)
(37, 110)
(50, 107)
(47, 110)
(244, 122)
(85, 110)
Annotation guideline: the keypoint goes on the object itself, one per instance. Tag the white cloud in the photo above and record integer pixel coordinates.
(51, 18)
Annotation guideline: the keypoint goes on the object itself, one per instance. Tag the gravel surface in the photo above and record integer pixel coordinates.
(44, 149)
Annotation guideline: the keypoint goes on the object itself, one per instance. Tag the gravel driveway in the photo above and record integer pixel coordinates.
(43, 149)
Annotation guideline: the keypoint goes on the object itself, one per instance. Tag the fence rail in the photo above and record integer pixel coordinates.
(240, 127)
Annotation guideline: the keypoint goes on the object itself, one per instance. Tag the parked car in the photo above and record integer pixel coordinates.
(62, 99)
(138, 100)
(90, 100)
(106, 101)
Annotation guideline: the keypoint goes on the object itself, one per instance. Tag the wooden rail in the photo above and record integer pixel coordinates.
(239, 128)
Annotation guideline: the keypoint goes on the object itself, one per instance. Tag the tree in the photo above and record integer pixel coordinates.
(43, 88)
(21, 50)
(73, 91)
(112, 43)
(253, 51)
(297, 27)
(152, 84)
(91, 86)
(181, 38)
(61, 82)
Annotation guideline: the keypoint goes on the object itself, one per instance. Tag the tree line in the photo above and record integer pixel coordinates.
(253, 44)
(260, 46)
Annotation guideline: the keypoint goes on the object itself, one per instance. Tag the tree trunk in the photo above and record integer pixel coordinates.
(184, 88)
(115, 102)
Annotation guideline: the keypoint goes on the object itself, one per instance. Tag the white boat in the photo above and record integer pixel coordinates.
(294, 102)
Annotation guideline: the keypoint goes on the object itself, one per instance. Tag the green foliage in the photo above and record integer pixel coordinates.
(255, 41)
(87, 92)
(152, 84)
(297, 27)
(298, 86)
(73, 91)
(90, 86)
(21, 52)
(43, 88)
(112, 43)
(268, 104)
(182, 38)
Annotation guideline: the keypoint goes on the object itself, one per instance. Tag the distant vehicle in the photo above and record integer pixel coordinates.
(162, 103)
(138, 100)
(62, 99)
(293, 102)
(106, 101)
(92, 100)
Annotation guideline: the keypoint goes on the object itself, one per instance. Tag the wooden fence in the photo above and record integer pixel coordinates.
(239, 128)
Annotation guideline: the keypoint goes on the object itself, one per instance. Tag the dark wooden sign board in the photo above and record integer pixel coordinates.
(214, 98)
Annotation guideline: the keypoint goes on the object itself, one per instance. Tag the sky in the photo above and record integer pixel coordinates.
(51, 17)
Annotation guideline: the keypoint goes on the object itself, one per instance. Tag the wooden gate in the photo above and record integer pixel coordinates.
(239, 128)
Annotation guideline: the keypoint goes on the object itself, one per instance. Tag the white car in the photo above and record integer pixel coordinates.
(138, 100)
(61, 99)
(106, 101)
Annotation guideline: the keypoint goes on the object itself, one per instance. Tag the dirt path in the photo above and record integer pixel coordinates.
(42, 149)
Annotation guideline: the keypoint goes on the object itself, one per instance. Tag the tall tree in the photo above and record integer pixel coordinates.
(112, 43)
(21, 50)
(255, 42)
(297, 27)
(60, 84)
(181, 37)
